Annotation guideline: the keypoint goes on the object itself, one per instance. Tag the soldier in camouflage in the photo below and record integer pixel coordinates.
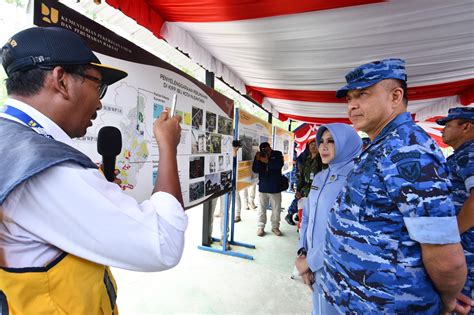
(393, 244)
(459, 133)
(309, 168)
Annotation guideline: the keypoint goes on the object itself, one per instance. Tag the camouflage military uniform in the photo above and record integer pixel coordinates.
(396, 198)
(309, 169)
(461, 167)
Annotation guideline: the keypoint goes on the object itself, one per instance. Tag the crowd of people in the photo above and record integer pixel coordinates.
(386, 229)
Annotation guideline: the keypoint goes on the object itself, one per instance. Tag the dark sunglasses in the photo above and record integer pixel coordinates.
(102, 86)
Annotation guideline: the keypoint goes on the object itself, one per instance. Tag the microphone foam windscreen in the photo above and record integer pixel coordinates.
(109, 141)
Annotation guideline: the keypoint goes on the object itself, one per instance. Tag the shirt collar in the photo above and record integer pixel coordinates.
(401, 119)
(464, 145)
(49, 126)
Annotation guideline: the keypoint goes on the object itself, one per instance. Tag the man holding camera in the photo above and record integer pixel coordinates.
(268, 163)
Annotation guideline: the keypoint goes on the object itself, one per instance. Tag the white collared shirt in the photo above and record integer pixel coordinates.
(73, 209)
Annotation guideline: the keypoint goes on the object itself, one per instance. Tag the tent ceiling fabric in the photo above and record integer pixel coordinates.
(220, 11)
(292, 57)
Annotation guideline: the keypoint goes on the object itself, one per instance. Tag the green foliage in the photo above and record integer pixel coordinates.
(280, 124)
(3, 89)
(18, 3)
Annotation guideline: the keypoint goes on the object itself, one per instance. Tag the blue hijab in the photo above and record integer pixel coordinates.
(346, 140)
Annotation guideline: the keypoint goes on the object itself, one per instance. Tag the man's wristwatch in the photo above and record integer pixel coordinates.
(301, 252)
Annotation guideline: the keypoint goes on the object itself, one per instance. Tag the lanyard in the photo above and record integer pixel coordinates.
(26, 119)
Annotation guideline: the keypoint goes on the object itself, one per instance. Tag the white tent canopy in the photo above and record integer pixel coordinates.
(291, 56)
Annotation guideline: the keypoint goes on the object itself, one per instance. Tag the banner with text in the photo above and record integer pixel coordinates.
(251, 132)
(283, 141)
(132, 105)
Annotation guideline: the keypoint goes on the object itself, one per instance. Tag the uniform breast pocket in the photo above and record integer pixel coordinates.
(354, 194)
(367, 195)
(377, 207)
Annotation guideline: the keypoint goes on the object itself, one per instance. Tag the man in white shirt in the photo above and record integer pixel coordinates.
(61, 222)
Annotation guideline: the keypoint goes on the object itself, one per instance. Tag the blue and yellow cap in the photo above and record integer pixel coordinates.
(372, 73)
(45, 47)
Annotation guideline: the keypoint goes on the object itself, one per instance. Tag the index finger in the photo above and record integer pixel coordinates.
(164, 115)
(464, 299)
(178, 118)
(462, 309)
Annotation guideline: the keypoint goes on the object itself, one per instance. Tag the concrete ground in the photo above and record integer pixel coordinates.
(212, 283)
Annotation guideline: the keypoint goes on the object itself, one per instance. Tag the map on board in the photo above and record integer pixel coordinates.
(133, 104)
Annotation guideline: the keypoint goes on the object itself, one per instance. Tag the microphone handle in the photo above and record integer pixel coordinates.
(108, 165)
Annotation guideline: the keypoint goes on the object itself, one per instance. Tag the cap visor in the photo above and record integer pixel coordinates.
(342, 92)
(443, 121)
(110, 75)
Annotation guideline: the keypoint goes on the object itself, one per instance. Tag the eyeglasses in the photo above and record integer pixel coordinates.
(102, 86)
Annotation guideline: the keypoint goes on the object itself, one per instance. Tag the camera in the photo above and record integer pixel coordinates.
(236, 144)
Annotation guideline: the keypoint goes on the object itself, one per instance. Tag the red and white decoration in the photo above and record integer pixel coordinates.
(291, 56)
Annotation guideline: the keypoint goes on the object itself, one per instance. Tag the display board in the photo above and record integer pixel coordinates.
(132, 105)
(283, 141)
(251, 131)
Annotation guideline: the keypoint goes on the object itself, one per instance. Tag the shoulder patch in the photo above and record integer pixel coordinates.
(410, 171)
(405, 155)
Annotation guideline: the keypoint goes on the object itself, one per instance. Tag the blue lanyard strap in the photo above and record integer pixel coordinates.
(26, 119)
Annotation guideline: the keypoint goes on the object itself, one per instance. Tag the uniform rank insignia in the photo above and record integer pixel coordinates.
(315, 187)
(405, 155)
(410, 171)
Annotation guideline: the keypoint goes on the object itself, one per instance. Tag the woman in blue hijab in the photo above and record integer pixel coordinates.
(338, 145)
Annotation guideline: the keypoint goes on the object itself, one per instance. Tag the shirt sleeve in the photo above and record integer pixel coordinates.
(469, 182)
(304, 226)
(79, 212)
(300, 178)
(465, 168)
(276, 163)
(255, 166)
(416, 180)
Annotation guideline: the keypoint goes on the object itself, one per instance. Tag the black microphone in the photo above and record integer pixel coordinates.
(109, 145)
